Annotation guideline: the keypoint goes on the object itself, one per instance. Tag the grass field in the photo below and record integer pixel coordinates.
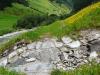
(6, 23)
(45, 6)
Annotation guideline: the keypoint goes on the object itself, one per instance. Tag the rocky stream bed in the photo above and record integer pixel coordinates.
(40, 57)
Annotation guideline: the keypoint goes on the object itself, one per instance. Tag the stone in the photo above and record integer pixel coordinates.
(13, 54)
(38, 45)
(49, 55)
(64, 49)
(65, 56)
(74, 44)
(66, 40)
(3, 61)
(31, 60)
(94, 46)
(21, 50)
(25, 54)
(58, 44)
(48, 44)
(15, 47)
(93, 55)
(31, 46)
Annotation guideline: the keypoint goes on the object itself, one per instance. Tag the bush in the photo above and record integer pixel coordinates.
(34, 21)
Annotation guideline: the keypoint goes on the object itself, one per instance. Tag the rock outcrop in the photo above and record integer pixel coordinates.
(40, 57)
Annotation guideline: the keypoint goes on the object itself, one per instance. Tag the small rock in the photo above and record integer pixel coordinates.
(65, 56)
(13, 54)
(26, 54)
(31, 46)
(48, 44)
(21, 50)
(31, 60)
(38, 45)
(64, 49)
(3, 62)
(74, 44)
(58, 44)
(66, 40)
(93, 55)
(15, 47)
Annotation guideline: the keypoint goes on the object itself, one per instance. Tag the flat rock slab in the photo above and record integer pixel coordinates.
(37, 68)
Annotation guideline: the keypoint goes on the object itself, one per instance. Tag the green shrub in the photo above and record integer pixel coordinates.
(34, 21)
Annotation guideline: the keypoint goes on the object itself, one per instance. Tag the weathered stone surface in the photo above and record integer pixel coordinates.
(66, 40)
(48, 43)
(3, 61)
(38, 45)
(31, 60)
(93, 55)
(13, 54)
(39, 57)
(31, 46)
(74, 44)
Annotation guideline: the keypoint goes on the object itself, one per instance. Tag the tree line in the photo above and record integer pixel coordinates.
(5, 3)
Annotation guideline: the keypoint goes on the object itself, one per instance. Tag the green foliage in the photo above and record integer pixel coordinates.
(93, 69)
(5, 71)
(31, 21)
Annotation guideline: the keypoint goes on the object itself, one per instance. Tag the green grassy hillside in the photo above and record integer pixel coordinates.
(6, 23)
(36, 7)
(45, 6)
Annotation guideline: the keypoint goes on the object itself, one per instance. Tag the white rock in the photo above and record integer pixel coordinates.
(93, 55)
(38, 45)
(58, 44)
(31, 60)
(3, 62)
(97, 36)
(32, 45)
(25, 54)
(13, 54)
(48, 44)
(21, 50)
(74, 44)
(66, 40)
(65, 56)
(15, 47)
